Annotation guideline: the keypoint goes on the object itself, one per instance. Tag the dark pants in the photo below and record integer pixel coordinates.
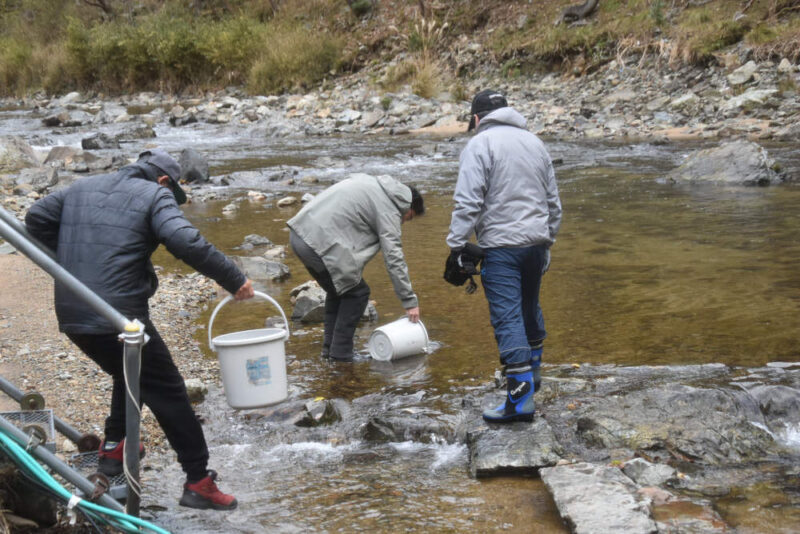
(342, 312)
(162, 390)
(511, 280)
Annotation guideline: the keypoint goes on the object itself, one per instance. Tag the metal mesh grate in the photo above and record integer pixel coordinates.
(39, 419)
(86, 464)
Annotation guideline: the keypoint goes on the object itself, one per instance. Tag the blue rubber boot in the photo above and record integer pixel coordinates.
(519, 405)
(536, 361)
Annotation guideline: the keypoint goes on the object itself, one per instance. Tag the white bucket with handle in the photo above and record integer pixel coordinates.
(252, 362)
(398, 339)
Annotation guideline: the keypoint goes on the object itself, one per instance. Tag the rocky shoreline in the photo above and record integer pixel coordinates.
(696, 426)
(629, 99)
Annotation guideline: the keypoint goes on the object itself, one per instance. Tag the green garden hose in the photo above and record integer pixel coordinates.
(122, 521)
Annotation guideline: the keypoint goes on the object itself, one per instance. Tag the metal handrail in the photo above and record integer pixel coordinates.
(131, 332)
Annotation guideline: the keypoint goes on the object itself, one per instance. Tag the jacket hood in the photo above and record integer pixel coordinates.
(504, 116)
(399, 194)
(141, 170)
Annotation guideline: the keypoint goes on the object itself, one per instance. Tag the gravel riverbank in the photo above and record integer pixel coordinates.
(34, 356)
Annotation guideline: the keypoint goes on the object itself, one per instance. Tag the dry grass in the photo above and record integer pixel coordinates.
(171, 45)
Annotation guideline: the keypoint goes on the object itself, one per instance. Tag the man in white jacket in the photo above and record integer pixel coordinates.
(507, 195)
(338, 232)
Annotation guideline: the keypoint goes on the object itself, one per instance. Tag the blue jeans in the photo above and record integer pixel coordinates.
(511, 279)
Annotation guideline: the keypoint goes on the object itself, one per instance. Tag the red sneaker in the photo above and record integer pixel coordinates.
(205, 494)
(110, 457)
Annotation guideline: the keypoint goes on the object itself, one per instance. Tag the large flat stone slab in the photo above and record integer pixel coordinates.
(593, 499)
(520, 448)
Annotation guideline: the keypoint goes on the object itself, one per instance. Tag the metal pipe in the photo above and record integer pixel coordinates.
(11, 390)
(17, 225)
(133, 336)
(134, 339)
(63, 276)
(69, 474)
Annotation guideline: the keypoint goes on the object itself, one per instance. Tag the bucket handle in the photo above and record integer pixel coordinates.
(228, 299)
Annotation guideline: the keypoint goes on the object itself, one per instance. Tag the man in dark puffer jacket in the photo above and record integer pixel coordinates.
(104, 230)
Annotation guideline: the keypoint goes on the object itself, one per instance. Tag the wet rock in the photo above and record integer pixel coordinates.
(255, 240)
(88, 162)
(256, 196)
(55, 119)
(16, 154)
(261, 269)
(290, 412)
(738, 162)
(61, 154)
(77, 118)
(99, 141)
(320, 412)
(39, 178)
(276, 252)
(309, 303)
(194, 166)
(139, 132)
(287, 201)
(645, 473)
(520, 448)
(709, 425)
(681, 516)
(394, 427)
(592, 498)
(196, 390)
(779, 405)
(179, 116)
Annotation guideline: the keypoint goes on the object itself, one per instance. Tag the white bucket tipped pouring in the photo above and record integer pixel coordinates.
(398, 339)
(252, 362)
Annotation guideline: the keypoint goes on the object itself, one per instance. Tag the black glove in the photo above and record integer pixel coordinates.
(453, 271)
(462, 264)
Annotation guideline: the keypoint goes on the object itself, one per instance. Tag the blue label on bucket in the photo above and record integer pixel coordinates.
(258, 371)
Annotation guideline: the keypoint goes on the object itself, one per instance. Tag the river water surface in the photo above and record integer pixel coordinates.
(643, 272)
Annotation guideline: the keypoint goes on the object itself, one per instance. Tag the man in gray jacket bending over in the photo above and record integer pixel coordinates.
(338, 232)
(103, 230)
(506, 193)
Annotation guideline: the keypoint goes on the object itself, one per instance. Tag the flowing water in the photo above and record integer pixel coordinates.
(644, 272)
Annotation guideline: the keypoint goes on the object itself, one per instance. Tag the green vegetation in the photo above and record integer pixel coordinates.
(272, 46)
(293, 57)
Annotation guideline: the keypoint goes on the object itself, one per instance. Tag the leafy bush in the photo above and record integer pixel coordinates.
(292, 57)
(164, 49)
(14, 65)
(360, 8)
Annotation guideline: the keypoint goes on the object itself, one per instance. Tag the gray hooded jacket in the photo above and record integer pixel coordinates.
(104, 229)
(506, 191)
(348, 223)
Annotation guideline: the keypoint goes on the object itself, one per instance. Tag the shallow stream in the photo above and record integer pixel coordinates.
(644, 272)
